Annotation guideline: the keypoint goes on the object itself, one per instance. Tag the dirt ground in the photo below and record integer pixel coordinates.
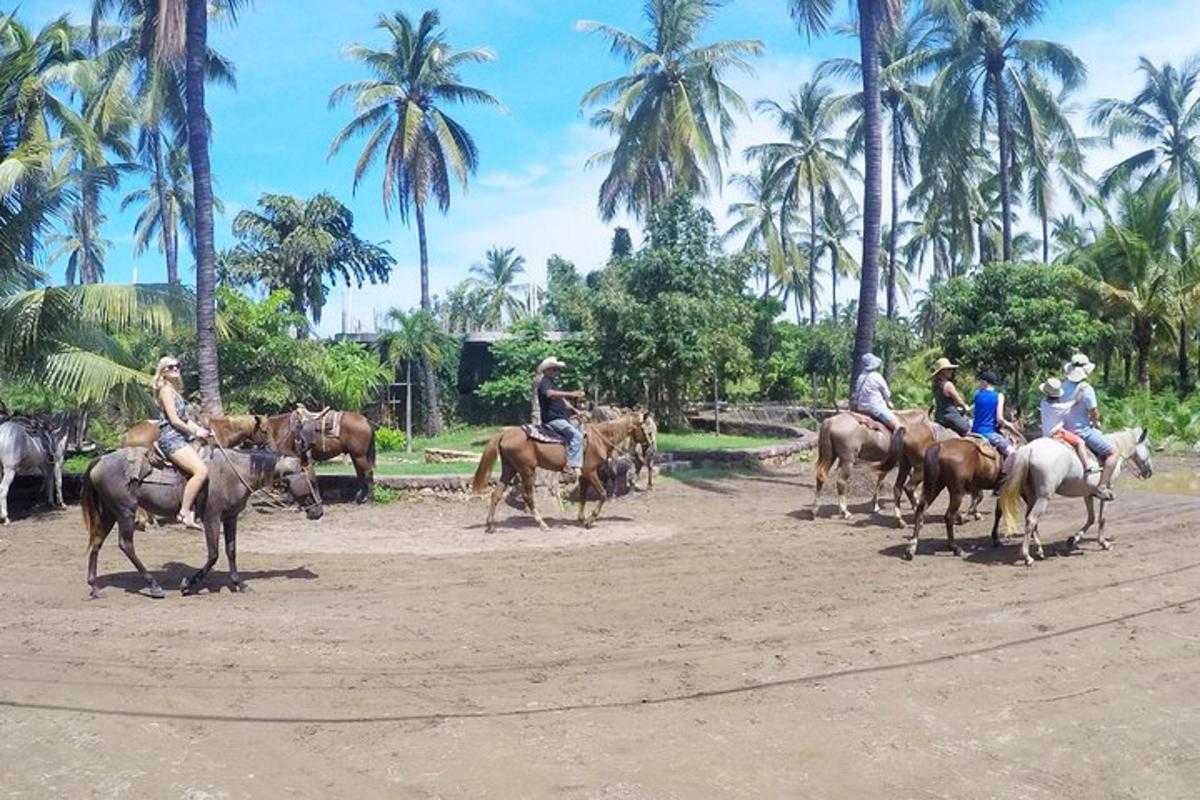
(705, 640)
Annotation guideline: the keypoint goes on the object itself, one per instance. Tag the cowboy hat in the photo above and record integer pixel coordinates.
(871, 362)
(1052, 388)
(550, 363)
(1078, 368)
(942, 364)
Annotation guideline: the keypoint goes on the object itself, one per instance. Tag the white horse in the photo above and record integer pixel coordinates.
(23, 452)
(1045, 467)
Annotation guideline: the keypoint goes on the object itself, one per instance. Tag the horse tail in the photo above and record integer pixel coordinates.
(89, 504)
(824, 450)
(895, 450)
(1010, 493)
(484, 471)
(932, 480)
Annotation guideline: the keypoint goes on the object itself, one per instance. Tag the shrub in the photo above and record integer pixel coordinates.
(389, 440)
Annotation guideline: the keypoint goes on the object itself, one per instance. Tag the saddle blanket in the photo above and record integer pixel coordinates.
(149, 465)
(542, 434)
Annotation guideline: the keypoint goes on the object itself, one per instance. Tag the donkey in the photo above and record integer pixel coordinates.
(25, 450)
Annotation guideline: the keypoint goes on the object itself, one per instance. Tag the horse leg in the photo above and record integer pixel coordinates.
(5, 481)
(95, 542)
(816, 502)
(996, 524)
(956, 498)
(1105, 544)
(843, 479)
(901, 484)
(918, 523)
(594, 480)
(58, 483)
(125, 542)
(366, 478)
(1073, 540)
(976, 499)
(231, 554)
(211, 534)
(1031, 523)
(528, 487)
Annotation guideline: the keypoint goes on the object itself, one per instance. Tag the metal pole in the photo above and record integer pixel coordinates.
(716, 404)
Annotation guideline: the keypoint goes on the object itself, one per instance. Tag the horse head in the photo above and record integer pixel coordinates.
(300, 482)
(1142, 455)
(303, 432)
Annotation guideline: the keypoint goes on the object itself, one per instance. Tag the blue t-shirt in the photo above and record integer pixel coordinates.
(986, 403)
(1082, 398)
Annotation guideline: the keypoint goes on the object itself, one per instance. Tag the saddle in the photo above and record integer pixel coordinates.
(986, 449)
(540, 433)
(329, 421)
(870, 422)
(151, 465)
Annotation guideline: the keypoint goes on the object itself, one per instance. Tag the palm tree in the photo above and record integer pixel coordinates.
(990, 68)
(672, 112)
(166, 206)
(1054, 158)
(1165, 113)
(839, 213)
(906, 51)
(496, 279)
(874, 16)
(298, 245)
(402, 107)
(1134, 265)
(759, 221)
(812, 159)
(415, 336)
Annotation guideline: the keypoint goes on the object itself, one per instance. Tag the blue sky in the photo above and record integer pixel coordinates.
(532, 190)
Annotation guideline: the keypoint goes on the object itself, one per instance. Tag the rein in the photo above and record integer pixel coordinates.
(269, 495)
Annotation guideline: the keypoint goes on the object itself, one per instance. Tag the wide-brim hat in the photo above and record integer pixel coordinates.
(1078, 368)
(871, 362)
(942, 364)
(550, 363)
(1052, 388)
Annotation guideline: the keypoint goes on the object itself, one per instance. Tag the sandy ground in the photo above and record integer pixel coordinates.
(705, 640)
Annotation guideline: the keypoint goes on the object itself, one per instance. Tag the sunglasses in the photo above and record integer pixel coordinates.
(172, 366)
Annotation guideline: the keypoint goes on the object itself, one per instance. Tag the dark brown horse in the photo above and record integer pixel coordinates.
(355, 436)
(521, 456)
(110, 495)
(962, 466)
(910, 469)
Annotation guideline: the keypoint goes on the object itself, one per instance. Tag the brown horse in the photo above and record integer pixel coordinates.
(521, 456)
(228, 431)
(910, 472)
(355, 437)
(962, 466)
(847, 437)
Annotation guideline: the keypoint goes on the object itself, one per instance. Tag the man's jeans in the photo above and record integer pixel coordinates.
(574, 438)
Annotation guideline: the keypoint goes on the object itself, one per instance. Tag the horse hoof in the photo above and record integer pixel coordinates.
(1028, 561)
(1105, 544)
(95, 594)
(909, 552)
(958, 551)
(845, 515)
(241, 588)
(157, 592)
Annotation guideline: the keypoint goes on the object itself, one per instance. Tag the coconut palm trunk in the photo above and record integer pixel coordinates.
(895, 188)
(1045, 235)
(833, 278)
(433, 409)
(870, 16)
(167, 220)
(197, 122)
(812, 248)
(1005, 197)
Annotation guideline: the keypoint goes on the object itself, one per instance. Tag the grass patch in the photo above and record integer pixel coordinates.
(77, 463)
(386, 495)
(668, 442)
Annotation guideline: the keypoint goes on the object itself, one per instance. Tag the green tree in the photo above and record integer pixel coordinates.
(839, 213)
(414, 336)
(811, 159)
(566, 295)
(416, 77)
(166, 206)
(672, 114)
(990, 68)
(759, 222)
(1165, 114)
(299, 245)
(496, 278)
(506, 394)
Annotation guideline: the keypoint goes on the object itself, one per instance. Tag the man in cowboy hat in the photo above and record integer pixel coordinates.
(1053, 414)
(871, 394)
(949, 408)
(1083, 419)
(556, 411)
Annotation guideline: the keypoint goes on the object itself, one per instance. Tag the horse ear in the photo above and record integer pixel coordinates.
(1142, 438)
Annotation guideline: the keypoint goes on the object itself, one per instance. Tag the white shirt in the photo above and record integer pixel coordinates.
(871, 394)
(1082, 399)
(1053, 415)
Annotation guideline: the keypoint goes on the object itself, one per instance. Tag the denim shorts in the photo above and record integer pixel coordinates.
(884, 416)
(1098, 443)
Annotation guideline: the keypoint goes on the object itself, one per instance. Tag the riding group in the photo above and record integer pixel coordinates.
(986, 451)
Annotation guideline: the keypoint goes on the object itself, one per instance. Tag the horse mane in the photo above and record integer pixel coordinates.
(1126, 440)
(614, 430)
(262, 466)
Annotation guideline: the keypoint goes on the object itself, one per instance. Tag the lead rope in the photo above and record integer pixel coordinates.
(272, 499)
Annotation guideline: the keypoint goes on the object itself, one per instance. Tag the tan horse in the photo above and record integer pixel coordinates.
(521, 456)
(228, 431)
(847, 438)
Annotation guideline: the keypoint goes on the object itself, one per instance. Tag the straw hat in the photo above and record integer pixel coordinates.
(550, 363)
(1052, 388)
(1078, 368)
(942, 364)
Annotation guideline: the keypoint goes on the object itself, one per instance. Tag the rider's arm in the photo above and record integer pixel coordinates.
(555, 394)
(1001, 420)
(166, 398)
(951, 391)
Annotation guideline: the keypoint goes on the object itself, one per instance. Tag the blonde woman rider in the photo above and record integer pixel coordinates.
(175, 433)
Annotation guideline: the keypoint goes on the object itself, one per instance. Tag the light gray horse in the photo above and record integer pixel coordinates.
(23, 452)
(1045, 467)
(110, 495)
